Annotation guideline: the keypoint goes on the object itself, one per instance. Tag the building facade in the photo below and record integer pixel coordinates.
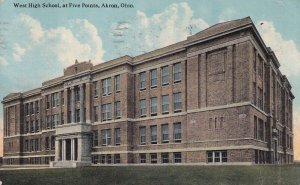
(217, 97)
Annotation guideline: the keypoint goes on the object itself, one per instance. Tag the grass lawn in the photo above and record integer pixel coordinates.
(144, 175)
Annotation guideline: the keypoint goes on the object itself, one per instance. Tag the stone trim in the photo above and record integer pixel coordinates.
(169, 62)
(193, 149)
(28, 156)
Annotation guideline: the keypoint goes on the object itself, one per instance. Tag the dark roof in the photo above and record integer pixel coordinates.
(220, 28)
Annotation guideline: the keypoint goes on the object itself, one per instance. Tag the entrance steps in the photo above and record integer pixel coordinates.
(69, 164)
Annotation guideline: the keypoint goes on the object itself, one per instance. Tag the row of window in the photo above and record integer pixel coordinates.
(164, 76)
(107, 87)
(106, 137)
(32, 108)
(32, 126)
(258, 65)
(164, 158)
(259, 129)
(54, 99)
(32, 145)
(106, 159)
(164, 133)
(216, 156)
(164, 105)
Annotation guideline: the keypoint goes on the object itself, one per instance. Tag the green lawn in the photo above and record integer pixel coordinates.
(144, 175)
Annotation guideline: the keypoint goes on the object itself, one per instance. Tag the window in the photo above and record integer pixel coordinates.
(143, 135)
(103, 159)
(117, 158)
(106, 137)
(108, 158)
(47, 144)
(176, 73)
(254, 61)
(177, 157)
(260, 98)
(143, 158)
(37, 127)
(31, 108)
(27, 127)
(177, 102)
(106, 86)
(27, 109)
(32, 141)
(62, 98)
(153, 76)
(260, 129)
(52, 142)
(143, 110)
(254, 93)
(255, 127)
(77, 115)
(56, 119)
(62, 118)
(37, 107)
(143, 80)
(117, 83)
(52, 125)
(36, 145)
(77, 93)
(153, 134)
(165, 104)
(48, 119)
(32, 126)
(106, 112)
(154, 106)
(165, 157)
(117, 136)
(56, 99)
(117, 109)
(95, 138)
(177, 132)
(48, 102)
(165, 133)
(26, 145)
(95, 159)
(165, 75)
(95, 113)
(95, 84)
(216, 156)
(153, 157)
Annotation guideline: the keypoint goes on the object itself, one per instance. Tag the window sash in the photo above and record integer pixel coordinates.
(153, 105)
(165, 133)
(153, 134)
(106, 137)
(153, 74)
(142, 80)
(117, 83)
(165, 75)
(106, 86)
(142, 135)
(153, 158)
(143, 107)
(117, 136)
(177, 157)
(165, 103)
(165, 157)
(117, 109)
(143, 158)
(177, 72)
(177, 131)
(95, 89)
(177, 101)
(216, 156)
